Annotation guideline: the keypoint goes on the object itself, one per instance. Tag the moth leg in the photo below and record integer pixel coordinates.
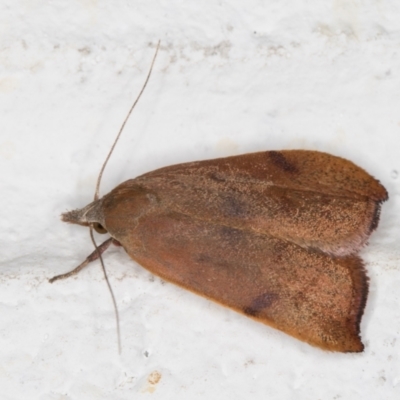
(92, 257)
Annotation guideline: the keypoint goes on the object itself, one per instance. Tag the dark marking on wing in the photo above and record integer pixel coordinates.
(203, 258)
(231, 236)
(233, 207)
(216, 177)
(265, 300)
(375, 218)
(281, 162)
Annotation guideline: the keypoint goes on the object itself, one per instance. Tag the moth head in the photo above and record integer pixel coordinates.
(92, 215)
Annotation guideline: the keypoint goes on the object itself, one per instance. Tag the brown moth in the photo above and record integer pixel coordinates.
(274, 235)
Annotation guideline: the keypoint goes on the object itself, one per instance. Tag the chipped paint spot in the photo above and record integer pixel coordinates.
(152, 380)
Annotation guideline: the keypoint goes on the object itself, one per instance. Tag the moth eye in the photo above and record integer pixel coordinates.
(99, 228)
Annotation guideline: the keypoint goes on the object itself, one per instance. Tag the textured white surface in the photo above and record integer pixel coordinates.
(231, 77)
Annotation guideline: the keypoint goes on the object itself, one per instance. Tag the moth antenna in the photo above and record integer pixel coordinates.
(109, 288)
(96, 195)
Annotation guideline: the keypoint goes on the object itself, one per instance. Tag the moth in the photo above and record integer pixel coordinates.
(274, 235)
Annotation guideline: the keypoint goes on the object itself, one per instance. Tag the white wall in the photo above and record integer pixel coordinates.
(231, 77)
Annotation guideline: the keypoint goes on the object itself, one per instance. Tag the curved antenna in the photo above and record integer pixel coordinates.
(96, 197)
(96, 194)
(109, 288)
